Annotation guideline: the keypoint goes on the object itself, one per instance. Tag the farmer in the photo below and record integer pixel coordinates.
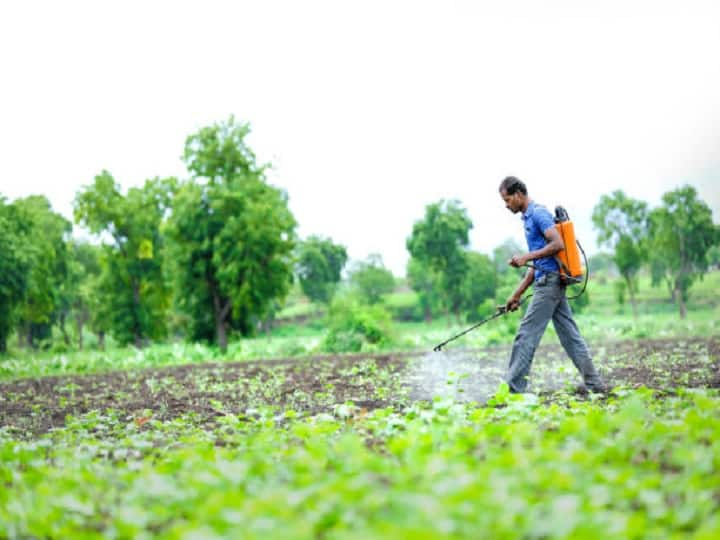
(548, 300)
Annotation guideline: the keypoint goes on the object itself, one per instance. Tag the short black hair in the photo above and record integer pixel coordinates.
(512, 185)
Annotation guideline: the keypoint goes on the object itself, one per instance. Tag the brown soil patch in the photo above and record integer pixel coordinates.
(313, 384)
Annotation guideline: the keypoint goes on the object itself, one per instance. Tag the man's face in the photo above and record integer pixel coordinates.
(512, 202)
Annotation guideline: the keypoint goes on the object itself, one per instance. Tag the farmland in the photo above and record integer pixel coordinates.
(275, 439)
(359, 446)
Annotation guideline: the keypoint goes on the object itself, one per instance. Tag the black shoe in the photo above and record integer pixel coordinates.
(584, 389)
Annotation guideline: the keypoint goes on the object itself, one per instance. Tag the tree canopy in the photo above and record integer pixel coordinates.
(438, 241)
(681, 235)
(232, 236)
(621, 222)
(319, 267)
(132, 276)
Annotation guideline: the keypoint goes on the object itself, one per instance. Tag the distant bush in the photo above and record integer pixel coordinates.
(355, 327)
(482, 311)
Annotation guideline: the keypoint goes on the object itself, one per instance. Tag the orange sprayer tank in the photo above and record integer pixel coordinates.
(570, 256)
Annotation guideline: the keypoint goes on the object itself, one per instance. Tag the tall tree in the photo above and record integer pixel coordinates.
(46, 244)
(372, 279)
(14, 267)
(681, 234)
(319, 266)
(621, 222)
(439, 241)
(232, 236)
(132, 278)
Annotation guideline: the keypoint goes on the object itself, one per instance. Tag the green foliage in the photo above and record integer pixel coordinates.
(622, 224)
(132, 279)
(371, 279)
(46, 248)
(232, 237)
(354, 326)
(320, 263)
(426, 282)
(478, 286)
(578, 304)
(681, 234)
(84, 294)
(483, 310)
(635, 467)
(15, 264)
(438, 242)
(713, 254)
(506, 285)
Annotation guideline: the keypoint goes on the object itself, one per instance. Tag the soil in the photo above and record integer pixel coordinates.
(29, 407)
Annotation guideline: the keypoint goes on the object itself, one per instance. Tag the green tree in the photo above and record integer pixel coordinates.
(426, 282)
(439, 241)
(232, 236)
(46, 245)
(319, 266)
(82, 288)
(479, 284)
(14, 267)
(371, 279)
(132, 278)
(621, 223)
(681, 235)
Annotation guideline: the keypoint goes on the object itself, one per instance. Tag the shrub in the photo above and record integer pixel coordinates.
(354, 327)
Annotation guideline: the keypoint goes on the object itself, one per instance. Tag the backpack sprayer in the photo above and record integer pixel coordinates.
(568, 259)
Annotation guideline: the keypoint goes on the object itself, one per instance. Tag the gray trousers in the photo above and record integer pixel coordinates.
(549, 302)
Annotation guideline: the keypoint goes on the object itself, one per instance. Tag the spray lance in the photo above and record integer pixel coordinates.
(568, 259)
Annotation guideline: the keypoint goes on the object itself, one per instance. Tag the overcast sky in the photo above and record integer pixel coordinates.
(371, 110)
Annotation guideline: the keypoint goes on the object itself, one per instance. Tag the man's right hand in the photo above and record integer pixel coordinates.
(512, 304)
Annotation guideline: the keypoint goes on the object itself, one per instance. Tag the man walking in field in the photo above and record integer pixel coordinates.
(548, 300)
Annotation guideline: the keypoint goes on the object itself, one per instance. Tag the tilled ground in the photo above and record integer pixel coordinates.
(30, 407)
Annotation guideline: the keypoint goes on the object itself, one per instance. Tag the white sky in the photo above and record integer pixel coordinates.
(371, 110)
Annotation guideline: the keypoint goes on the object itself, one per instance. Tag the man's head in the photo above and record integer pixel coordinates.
(514, 194)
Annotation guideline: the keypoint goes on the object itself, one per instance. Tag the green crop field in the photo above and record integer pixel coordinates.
(275, 439)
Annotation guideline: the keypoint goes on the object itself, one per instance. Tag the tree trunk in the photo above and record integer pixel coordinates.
(220, 312)
(681, 303)
(137, 330)
(63, 331)
(631, 293)
(79, 325)
(221, 335)
(428, 315)
(101, 340)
